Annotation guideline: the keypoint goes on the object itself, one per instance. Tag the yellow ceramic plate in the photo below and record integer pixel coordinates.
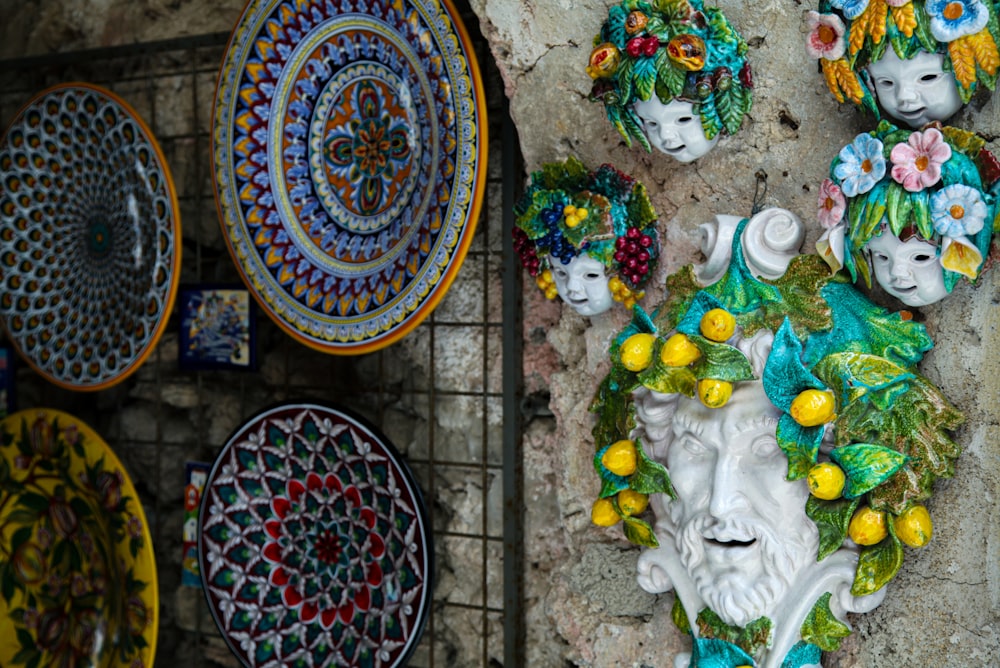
(77, 573)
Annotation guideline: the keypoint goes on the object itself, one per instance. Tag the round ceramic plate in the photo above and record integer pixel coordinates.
(314, 546)
(89, 237)
(350, 158)
(77, 573)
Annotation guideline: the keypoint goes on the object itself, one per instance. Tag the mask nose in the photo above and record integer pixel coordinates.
(727, 495)
(900, 270)
(906, 92)
(668, 133)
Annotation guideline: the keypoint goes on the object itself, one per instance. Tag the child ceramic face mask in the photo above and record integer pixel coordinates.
(873, 48)
(674, 129)
(653, 67)
(588, 237)
(915, 208)
(915, 91)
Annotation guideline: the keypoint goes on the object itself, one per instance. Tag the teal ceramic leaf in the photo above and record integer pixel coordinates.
(785, 376)
(714, 653)
(644, 73)
(866, 466)
(800, 444)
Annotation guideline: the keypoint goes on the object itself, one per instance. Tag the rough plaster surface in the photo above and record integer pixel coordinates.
(583, 607)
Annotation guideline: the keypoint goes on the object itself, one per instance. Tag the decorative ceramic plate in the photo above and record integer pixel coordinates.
(314, 544)
(350, 158)
(89, 237)
(77, 574)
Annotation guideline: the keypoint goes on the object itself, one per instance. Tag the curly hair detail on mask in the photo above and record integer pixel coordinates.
(894, 194)
(574, 221)
(667, 51)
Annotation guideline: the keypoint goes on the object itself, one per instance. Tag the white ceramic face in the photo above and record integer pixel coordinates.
(915, 91)
(583, 284)
(674, 129)
(909, 271)
(742, 532)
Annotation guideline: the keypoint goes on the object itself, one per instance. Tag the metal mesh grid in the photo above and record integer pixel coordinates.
(456, 424)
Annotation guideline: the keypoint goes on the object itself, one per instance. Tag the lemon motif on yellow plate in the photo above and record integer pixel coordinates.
(826, 481)
(679, 351)
(603, 513)
(913, 526)
(812, 408)
(717, 325)
(868, 526)
(621, 458)
(637, 351)
(714, 393)
(632, 502)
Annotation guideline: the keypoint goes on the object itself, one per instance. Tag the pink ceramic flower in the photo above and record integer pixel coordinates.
(897, 3)
(826, 36)
(831, 204)
(917, 163)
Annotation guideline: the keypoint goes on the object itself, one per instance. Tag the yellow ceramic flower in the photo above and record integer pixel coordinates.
(913, 526)
(868, 526)
(637, 351)
(621, 458)
(826, 481)
(813, 407)
(679, 351)
(717, 325)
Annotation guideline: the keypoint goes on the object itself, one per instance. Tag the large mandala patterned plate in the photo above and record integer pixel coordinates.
(89, 237)
(350, 157)
(313, 543)
(77, 574)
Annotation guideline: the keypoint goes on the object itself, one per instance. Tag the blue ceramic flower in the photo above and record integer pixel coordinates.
(951, 19)
(861, 166)
(852, 8)
(957, 211)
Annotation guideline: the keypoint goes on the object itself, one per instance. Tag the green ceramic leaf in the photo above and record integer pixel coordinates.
(800, 444)
(650, 476)
(644, 74)
(872, 378)
(923, 32)
(899, 208)
(639, 532)
(710, 121)
(679, 616)
(877, 565)
(832, 519)
(866, 466)
(668, 380)
(624, 76)
(821, 628)
(801, 301)
(681, 290)
(669, 80)
(751, 638)
(720, 361)
(640, 209)
(613, 406)
(731, 106)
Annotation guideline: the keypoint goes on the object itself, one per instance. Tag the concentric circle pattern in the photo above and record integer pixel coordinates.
(349, 146)
(314, 545)
(89, 237)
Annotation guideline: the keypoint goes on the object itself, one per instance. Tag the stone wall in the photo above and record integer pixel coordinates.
(583, 606)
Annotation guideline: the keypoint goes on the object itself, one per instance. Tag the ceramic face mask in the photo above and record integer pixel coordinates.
(930, 57)
(582, 284)
(915, 91)
(768, 425)
(679, 54)
(908, 270)
(674, 129)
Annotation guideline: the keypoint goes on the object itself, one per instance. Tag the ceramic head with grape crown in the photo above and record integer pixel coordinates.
(920, 60)
(672, 75)
(587, 236)
(771, 444)
(916, 209)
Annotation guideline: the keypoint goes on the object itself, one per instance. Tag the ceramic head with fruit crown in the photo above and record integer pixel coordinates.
(672, 74)
(586, 236)
(915, 208)
(785, 445)
(920, 60)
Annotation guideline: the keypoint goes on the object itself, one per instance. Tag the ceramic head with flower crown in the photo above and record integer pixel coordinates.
(921, 60)
(588, 237)
(672, 75)
(914, 208)
(771, 444)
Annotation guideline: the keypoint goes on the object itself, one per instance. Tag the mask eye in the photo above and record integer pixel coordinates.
(593, 276)
(880, 257)
(693, 446)
(929, 78)
(765, 446)
(923, 258)
(684, 120)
